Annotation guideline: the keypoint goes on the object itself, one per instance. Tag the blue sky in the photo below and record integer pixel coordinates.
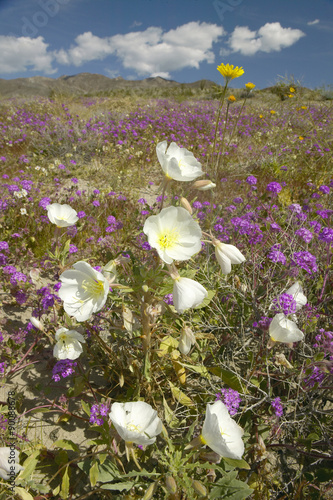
(183, 40)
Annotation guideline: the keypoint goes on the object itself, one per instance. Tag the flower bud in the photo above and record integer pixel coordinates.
(150, 492)
(171, 485)
(186, 340)
(37, 324)
(185, 204)
(203, 185)
(199, 488)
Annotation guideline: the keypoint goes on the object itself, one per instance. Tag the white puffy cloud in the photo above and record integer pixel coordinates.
(24, 53)
(271, 37)
(149, 52)
(311, 23)
(88, 48)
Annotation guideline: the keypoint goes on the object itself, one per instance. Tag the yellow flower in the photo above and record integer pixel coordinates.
(250, 86)
(291, 89)
(301, 138)
(229, 72)
(291, 95)
(261, 116)
(273, 112)
(231, 98)
(304, 107)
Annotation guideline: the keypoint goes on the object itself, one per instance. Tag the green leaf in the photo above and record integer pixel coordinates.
(93, 474)
(66, 444)
(230, 488)
(240, 464)
(169, 415)
(22, 493)
(180, 396)
(29, 465)
(202, 370)
(64, 492)
(228, 378)
(126, 485)
(86, 407)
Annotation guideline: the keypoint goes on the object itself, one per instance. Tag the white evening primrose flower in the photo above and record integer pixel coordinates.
(68, 344)
(9, 466)
(174, 234)
(136, 422)
(178, 163)
(227, 255)
(84, 290)
(296, 291)
(187, 293)
(282, 329)
(186, 340)
(221, 433)
(61, 215)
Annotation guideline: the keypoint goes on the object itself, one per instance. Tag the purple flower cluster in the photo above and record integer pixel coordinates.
(230, 398)
(97, 412)
(63, 368)
(277, 407)
(286, 303)
(305, 234)
(306, 261)
(275, 255)
(113, 224)
(326, 235)
(274, 187)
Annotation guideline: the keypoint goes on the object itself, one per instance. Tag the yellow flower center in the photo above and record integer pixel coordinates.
(65, 341)
(93, 287)
(133, 428)
(168, 239)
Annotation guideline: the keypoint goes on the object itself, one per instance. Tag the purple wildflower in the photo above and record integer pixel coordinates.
(277, 407)
(274, 187)
(306, 261)
(63, 368)
(230, 398)
(305, 234)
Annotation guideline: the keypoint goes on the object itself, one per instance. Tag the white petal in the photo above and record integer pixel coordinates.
(281, 329)
(223, 260)
(187, 293)
(296, 291)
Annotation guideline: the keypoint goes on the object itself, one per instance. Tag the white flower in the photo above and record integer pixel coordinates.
(178, 163)
(61, 215)
(187, 293)
(282, 329)
(296, 291)
(174, 234)
(23, 211)
(221, 433)
(68, 344)
(204, 185)
(186, 340)
(9, 466)
(84, 291)
(136, 422)
(227, 255)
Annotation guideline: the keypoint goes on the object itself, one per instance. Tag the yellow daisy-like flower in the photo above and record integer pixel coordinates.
(301, 138)
(249, 86)
(291, 95)
(273, 112)
(291, 89)
(261, 116)
(229, 72)
(304, 107)
(231, 98)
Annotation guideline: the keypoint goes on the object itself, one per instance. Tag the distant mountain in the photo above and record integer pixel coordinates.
(83, 84)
